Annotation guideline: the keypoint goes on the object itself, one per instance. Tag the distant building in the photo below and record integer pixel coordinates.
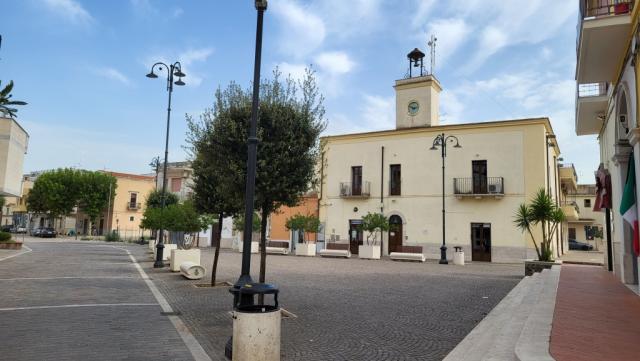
(589, 226)
(14, 141)
(277, 230)
(179, 179)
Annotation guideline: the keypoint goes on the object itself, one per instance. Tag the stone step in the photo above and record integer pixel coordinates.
(481, 339)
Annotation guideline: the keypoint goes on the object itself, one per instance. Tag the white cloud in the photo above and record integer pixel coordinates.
(423, 8)
(69, 9)
(113, 74)
(302, 32)
(451, 108)
(187, 60)
(351, 18)
(177, 12)
(296, 71)
(451, 34)
(378, 112)
(335, 62)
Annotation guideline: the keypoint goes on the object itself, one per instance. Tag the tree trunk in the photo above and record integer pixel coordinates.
(217, 252)
(263, 250)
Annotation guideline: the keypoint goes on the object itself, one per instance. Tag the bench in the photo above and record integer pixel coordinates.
(408, 253)
(336, 250)
(278, 247)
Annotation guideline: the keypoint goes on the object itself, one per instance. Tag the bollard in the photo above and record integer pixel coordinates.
(256, 328)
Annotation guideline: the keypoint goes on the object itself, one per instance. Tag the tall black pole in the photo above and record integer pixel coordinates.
(159, 263)
(443, 248)
(607, 223)
(245, 276)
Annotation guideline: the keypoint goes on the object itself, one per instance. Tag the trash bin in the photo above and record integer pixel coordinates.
(458, 256)
(256, 326)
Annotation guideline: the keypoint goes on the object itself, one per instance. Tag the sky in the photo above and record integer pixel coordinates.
(81, 65)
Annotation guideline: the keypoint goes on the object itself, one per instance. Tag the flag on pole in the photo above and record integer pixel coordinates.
(629, 206)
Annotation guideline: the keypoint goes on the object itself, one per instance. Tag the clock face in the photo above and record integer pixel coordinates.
(413, 107)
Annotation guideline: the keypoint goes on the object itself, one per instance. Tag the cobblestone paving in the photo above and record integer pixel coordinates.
(46, 313)
(348, 309)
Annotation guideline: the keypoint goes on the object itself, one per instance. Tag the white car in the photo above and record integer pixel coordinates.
(21, 230)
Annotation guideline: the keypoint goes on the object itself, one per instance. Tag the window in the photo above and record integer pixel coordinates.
(133, 199)
(356, 180)
(176, 184)
(587, 203)
(131, 219)
(395, 180)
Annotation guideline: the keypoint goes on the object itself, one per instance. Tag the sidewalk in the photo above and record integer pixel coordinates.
(596, 317)
(594, 258)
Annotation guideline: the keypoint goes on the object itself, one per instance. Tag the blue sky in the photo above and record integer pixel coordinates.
(81, 64)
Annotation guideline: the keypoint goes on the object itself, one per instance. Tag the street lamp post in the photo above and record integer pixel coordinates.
(174, 69)
(441, 141)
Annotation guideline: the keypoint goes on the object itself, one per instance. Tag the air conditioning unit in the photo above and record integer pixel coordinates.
(344, 190)
(495, 188)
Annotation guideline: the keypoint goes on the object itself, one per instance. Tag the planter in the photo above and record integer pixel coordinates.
(10, 245)
(369, 252)
(255, 247)
(180, 256)
(532, 266)
(306, 249)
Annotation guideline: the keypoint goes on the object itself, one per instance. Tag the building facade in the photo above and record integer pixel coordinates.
(607, 106)
(277, 229)
(179, 179)
(14, 141)
(589, 226)
(498, 166)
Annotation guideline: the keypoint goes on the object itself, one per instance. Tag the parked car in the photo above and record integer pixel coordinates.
(6, 228)
(21, 230)
(36, 232)
(581, 246)
(48, 233)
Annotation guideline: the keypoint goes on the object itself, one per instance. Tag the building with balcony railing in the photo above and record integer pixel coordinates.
(606, 106)
(500, 165)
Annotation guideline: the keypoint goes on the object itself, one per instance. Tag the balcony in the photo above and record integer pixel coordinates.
(591, 105)
(478, 187)
(133, 206)
(568, 177)
(354, 190)
(603, 31)
(571, 210)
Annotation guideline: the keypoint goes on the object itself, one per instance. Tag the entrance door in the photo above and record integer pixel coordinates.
(479, 169)
(481, 242)
(572, 233)
(355, 235)
(395, 233)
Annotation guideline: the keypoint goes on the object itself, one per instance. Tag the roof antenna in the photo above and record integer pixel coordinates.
(432, 45)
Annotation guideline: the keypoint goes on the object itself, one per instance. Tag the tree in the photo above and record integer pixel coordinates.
(3, 201)
(96, 191)
(374, 223)
(304, 224)
(6, 104)
(154, 199)
(544, 212)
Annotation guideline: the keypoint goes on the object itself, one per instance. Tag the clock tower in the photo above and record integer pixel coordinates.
(417, 96)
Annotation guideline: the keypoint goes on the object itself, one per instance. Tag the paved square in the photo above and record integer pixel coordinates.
(348, 309)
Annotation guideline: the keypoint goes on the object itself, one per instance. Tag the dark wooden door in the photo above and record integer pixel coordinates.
(395, 233)
(479, 176)
(355, 235)
(481, 242)
(356, 181)
(572, 233)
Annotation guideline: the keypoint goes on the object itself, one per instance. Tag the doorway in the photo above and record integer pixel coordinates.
(479, 172)
(481, 242)
(572, 233)
(395, 233)
(355, 235)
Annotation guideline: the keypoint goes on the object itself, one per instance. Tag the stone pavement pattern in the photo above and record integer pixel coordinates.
(81, 301)
(596, 317)
(348, 309)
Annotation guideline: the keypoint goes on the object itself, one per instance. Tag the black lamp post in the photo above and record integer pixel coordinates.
(441, 141)
(252, 141)
(174, 69)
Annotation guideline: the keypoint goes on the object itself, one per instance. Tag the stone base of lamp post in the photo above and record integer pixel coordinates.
(443, 255)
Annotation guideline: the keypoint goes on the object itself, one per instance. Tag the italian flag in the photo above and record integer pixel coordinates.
(629, 206)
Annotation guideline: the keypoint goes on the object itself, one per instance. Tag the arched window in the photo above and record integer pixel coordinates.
(622, 116)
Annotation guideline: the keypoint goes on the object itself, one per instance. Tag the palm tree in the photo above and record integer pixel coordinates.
(547, 214)
(6, 104)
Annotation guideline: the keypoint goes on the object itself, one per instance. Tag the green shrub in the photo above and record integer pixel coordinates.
(112, 237)
(5, 237)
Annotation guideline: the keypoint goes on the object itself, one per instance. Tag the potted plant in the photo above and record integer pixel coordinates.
(7, 243)
(304, 224)
(545, 213)
(373, 223)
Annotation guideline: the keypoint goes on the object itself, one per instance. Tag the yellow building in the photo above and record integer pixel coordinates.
(607, 76)
(125, 212)
(13, 146)
(500, 165)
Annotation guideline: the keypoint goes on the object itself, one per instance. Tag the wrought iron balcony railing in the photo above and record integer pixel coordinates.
(478, 186)
(133, 205)
(351, 189)
(592, 90)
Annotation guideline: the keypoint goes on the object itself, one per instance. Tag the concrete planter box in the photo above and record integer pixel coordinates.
(255, 247)
(180, 256)
(166, 252)
(10, 245)
(306, 249)
(369, 252)
(533, 266)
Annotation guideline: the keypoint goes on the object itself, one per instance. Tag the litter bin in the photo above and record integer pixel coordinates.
(256, 327)
(458, 256)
